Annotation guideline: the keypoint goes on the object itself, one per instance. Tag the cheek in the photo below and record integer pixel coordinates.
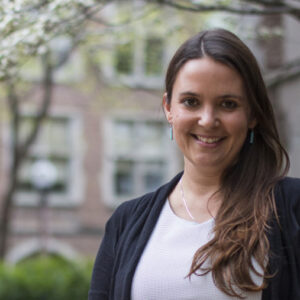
(238, 126)
(182, 122)
(178, 117)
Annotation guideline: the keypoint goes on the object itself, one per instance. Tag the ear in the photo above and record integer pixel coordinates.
(252, 123)
(167, 108)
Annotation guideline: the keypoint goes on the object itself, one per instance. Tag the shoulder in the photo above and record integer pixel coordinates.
(290, 185)
(285, 237)
(289, 190)
(287, 195)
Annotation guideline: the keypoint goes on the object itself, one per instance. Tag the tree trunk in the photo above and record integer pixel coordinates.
(20, 150)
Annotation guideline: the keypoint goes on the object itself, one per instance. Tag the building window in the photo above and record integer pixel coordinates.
(138, 158)
(52, 144)
(56, 143)
(133, 177)
(139, 62)
(124, 58)
(154, 56)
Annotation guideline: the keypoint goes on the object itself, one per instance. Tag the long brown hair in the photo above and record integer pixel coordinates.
(247, 186)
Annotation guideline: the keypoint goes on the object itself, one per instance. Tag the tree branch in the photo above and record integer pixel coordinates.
(268, 9)
(20, 151)
(125, 22)
(283, 74)
(13, 104)
(268, 3)
(42, 113)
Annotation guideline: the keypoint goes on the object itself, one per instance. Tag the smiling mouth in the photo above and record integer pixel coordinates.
(208, 140)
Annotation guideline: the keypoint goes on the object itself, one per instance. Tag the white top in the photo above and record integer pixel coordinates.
(166, 260)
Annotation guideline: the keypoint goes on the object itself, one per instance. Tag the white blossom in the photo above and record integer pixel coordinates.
(27, 26)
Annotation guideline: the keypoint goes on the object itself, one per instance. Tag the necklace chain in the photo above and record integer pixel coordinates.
(184, 201)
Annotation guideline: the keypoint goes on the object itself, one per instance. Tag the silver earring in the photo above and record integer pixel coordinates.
(171, 132)
(251, 140)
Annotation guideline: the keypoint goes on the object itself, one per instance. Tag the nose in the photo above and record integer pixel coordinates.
(208, 118)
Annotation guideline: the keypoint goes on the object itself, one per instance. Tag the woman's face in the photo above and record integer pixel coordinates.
(209, 113)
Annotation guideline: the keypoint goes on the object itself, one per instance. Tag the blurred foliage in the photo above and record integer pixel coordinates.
(45, 278)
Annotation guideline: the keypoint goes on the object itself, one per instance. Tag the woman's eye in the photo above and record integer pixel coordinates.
(229, 104)
(190, 102)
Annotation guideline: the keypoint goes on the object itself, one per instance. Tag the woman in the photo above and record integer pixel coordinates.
(228, 227)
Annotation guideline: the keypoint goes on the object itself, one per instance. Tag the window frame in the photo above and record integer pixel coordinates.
(138, 77)
(75, 186)
(169, 155)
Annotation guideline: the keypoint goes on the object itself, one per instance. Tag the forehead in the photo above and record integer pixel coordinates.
(206, 74)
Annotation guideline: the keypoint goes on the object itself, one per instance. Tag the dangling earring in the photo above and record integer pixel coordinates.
(251, 140)
(171, 132)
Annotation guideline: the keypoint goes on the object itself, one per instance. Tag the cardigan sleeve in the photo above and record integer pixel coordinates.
(290, 226)
(104, 263)
(102, 271)
(291, 195)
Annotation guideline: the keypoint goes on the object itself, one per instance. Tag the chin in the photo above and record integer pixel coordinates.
(217, 163)
(207, 163)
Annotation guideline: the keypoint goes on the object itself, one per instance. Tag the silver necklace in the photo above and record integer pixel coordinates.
(184, 201)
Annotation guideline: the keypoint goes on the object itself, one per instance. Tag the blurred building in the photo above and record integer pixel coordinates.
(106, 134)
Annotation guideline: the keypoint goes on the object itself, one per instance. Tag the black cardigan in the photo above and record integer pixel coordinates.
(129, 228)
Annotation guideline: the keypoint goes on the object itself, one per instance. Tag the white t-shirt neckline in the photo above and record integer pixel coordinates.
(180, 219)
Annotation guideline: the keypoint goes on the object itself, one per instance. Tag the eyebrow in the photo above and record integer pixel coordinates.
(232, 96)
(187, 93)
(225, 96)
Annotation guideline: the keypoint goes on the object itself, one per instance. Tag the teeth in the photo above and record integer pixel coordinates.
(208, 140)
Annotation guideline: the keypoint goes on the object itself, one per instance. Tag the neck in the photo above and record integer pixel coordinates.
(201, 181)
(199, 191)
(200, 187)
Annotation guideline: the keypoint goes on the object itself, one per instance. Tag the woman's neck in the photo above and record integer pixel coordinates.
(201, 181)
(200, 190)
(196, 194)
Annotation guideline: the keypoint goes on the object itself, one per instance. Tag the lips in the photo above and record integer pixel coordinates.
(208, 140)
